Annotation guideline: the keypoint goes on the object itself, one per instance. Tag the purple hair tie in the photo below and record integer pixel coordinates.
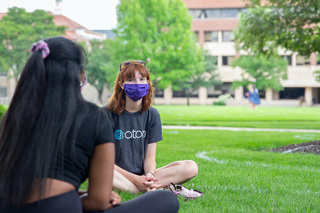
(43, 46)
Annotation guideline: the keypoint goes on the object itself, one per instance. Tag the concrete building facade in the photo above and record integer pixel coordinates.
(213, 24)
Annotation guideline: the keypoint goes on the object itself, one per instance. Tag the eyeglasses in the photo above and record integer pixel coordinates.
(125, 63)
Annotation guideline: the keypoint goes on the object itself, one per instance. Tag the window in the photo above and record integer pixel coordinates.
(213, 13)
(3, 74)
(288, 58)
(211, 36)
(223, 13)
(3, 92)
(159, 93)
(227, 36)
(291, 93)
(227, 60)
(243, 10)
(234, 13)
(183, 94)
(216, 90)
(262, 93)
(300, 60)
(196, 14)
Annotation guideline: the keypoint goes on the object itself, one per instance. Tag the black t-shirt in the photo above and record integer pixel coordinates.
(94, 130)
(132, 133)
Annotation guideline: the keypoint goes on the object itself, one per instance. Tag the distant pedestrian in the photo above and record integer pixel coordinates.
(254, 98)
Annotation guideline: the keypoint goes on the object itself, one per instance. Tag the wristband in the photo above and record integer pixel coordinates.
(150, 173)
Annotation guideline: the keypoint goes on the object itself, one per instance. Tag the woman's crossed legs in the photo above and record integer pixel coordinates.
(177, 172)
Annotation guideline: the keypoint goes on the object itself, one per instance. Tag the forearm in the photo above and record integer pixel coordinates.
(129, 175)
(150, 165)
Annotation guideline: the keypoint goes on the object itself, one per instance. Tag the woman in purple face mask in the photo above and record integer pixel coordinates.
(137, 129)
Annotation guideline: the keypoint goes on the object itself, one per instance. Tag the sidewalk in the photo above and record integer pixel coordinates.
(239, 129)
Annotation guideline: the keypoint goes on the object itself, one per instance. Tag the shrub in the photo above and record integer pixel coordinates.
(3, 109)
(222, 99)
(219, 103)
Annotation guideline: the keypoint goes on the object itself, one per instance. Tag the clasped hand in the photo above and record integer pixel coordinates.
(114, 200)
(146, 183)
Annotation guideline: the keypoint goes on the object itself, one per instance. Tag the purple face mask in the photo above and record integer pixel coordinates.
(136, 91)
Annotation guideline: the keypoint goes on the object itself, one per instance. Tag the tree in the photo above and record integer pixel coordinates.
(18, 30)
(264, 72)
(204, 76)
(159, 32)
(291, 24)
(100, 69)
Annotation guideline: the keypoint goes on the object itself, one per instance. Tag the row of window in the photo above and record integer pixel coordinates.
(212, 36)
(225, 88)
(300, 60)
(213, 91)
(216, 13)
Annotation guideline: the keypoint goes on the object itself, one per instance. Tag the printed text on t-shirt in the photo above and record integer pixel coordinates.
(118, 134)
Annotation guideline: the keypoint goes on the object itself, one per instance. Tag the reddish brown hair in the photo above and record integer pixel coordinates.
(117, 102)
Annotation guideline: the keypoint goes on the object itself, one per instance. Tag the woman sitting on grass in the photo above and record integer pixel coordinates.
(137, 129)
(51, 140)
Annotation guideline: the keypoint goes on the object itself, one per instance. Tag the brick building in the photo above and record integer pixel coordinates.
(213, 22)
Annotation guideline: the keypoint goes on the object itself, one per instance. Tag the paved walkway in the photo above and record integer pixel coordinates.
(239, 129)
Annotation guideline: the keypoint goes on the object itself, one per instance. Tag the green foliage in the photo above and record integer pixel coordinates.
(18, 30)
(317, 75)
(264, 72)
(3, 109)
(100, 69)
(159, 32)
(204, 76)
(291, 24)
(219, 103)
(222, 99)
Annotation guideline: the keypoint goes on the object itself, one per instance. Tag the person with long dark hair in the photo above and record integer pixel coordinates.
(137, 129)
(52, 140)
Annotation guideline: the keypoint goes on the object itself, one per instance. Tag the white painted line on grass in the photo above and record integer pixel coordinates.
(204, 155)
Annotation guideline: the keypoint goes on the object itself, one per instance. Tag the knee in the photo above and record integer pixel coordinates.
(169, 201)
(191, 168)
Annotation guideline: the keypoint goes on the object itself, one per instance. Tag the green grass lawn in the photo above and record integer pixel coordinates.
(236, 172)
(240, 116)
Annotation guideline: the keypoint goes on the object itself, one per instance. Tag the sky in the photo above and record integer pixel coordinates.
(92, 14)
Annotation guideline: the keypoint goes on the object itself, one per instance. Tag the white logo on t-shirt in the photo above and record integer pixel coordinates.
(118, 134)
